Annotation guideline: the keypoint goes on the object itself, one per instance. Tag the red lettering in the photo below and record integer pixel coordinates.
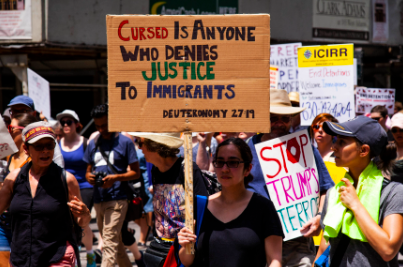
(120, 31)
(282, 154)
(289, 51)
(157, 32)
(302, 146)
(270, 159)
(295, 49)
(279, 51)
(164, 30)
(293, 158)
(142, 33)
(135, 37)
(150, 30)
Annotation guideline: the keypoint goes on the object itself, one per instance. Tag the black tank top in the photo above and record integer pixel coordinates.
(40, 225)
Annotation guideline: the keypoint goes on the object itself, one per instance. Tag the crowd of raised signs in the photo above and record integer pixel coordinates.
(50, 185)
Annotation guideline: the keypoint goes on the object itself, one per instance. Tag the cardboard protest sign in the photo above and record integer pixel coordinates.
(285, 56)
(39, 91)
(273, 77)
(7, 145)
(292, 180)
(367, 98)
(189, 73)
(326, 79)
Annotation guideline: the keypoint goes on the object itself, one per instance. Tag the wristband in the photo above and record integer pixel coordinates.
(319, 213)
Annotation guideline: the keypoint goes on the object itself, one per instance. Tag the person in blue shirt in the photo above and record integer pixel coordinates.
(111, 199)
(299, 251)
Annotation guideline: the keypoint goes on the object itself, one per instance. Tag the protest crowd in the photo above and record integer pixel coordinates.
(50, 185)
(200, 151)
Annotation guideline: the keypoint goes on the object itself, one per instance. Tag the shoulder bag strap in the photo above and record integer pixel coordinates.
(85, 143)
(106, 157)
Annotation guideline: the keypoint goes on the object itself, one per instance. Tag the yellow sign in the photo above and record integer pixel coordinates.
(325, 55)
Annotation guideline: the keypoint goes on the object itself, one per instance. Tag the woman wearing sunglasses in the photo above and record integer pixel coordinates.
(72, 146)
(363, 214)
(36, 196)
(323, 140)
(397, 131)
(14, 161)
(239, 227)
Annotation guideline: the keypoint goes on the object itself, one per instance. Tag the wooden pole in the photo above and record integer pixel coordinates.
(189, 188)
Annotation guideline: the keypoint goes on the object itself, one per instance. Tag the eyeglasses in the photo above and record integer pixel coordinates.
(48, 146)
(376, 118)
(285, 119)
(397, 130)
(231, 163)
(12, 128)
(317, 127)
(68, 122)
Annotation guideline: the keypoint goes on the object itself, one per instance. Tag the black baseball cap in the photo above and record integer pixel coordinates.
(366, 130)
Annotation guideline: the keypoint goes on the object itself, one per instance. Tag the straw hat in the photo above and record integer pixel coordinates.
(171, 140)
(294, 97)
(280, 103)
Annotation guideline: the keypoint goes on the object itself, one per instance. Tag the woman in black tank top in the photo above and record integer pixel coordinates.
(37, 197)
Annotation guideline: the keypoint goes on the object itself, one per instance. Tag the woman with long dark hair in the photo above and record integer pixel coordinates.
(239, 227)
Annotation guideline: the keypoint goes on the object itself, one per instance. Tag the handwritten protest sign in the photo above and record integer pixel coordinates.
(326, 79)
(7, 145)
(39, 91)
(367, 98)
(292, 180)
(285, 56)
(273, 77)
(189, 73)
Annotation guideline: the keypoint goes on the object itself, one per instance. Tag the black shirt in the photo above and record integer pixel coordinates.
(239, 242)
(41, 226)
(169, 197)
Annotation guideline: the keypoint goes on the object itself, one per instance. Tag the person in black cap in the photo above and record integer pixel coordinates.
(363, 214)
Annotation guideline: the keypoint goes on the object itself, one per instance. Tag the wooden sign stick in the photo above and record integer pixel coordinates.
(189, 188)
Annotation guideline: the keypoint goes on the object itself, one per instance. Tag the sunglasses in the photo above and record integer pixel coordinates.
(397, 130)
(68, 122)
(285, 119)
(317, 127)
(12, 128)
(19, 111)
(376, 118)
(231, 163)
(48, 146)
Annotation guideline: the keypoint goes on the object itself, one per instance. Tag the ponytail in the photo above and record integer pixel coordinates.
(387, 158)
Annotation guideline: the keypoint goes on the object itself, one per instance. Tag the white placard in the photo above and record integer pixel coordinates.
(326, 77)
(15, 20)
(39, 91)
(292, 180)
(7, 145)
(380, 15)
(285, 57)
(367, 98)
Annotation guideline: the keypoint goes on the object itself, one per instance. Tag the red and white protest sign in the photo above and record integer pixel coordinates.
(292, 180)
(367, 98)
